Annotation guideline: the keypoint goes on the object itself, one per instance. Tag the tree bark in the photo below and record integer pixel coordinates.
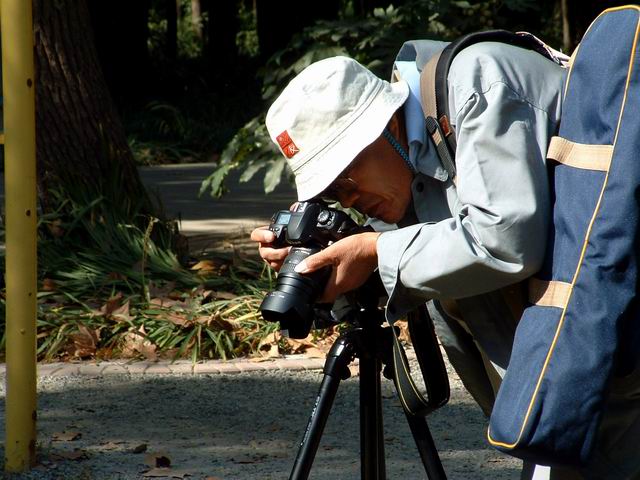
(80, 142)
(196, 17)
(567, 34)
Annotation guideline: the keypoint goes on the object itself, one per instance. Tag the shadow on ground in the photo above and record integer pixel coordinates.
(245, 426)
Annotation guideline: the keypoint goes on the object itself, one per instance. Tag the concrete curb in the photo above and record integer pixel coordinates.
(179, 367)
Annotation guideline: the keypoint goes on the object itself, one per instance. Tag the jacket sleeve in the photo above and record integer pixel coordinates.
(498, 231)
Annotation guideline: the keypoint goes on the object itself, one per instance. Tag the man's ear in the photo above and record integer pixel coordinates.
(397, 127)
(394, 123)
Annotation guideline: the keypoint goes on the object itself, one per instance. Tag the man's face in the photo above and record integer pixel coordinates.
(381, 183)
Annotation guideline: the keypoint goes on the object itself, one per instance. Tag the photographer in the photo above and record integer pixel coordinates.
(456, 243)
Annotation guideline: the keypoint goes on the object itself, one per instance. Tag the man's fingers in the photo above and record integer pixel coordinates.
(263, 235)
(274, 254)
(314, 262)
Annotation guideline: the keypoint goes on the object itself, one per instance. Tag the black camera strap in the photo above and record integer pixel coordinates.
(429, 356)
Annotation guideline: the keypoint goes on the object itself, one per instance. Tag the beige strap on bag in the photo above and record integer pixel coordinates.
(549, 293)
(580, 155)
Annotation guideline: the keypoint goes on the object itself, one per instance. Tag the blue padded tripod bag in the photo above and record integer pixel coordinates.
(580, 330)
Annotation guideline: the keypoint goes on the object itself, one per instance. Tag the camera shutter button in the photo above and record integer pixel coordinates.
(324, 217)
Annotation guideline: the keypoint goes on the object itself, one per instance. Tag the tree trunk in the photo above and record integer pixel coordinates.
(81, 144)
(196, 17)
(567, 34)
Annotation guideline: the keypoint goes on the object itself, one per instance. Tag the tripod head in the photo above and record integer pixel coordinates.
(353, 307)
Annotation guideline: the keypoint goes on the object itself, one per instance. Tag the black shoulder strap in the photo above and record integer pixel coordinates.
(434, 90)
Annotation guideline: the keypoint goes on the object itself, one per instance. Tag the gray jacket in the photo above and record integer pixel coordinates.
(490, 230)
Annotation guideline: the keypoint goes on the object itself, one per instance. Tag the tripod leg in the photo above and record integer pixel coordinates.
(315, 427)
(371, 431)
(335, 369)
(426, 447)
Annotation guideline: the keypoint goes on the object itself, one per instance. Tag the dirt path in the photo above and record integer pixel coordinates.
(241, 426)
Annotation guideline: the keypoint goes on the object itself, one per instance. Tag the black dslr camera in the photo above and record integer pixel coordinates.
(309, 228)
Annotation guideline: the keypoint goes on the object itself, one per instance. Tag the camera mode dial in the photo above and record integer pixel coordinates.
(324, 217)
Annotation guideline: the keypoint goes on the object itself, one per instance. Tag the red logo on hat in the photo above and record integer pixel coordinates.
(286, 144)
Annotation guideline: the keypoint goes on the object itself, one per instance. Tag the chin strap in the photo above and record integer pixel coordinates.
(399, 148)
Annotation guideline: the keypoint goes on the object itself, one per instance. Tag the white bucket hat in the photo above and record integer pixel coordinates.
(328, 114)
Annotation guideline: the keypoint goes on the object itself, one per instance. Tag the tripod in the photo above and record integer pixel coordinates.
(372, 345)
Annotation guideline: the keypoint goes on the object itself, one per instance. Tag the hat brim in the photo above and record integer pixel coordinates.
(327, 164)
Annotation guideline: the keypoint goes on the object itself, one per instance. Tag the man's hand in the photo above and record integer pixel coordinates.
(354, 259)
(273, 256)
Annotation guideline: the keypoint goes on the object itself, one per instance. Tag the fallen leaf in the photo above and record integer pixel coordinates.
(163, 301)
(112, 304)
(122, 313)
(157, 460)
(301, 345)
(177, 319)
(225, 295)
(268, 346)
(75, 454)
(135, 341)
(222, 324)
(139, 448)
(110, 445)
(314, 352)
(66, 436)
(55, 228)
(206, 293)
(404, 335)
(116, 276)
(205, 266)
(85, 342)
(156, 290)
(204, 319)
(48, 285)
(176, 295)
(166, 472)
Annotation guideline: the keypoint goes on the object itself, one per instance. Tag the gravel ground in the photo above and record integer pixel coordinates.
(241, 426)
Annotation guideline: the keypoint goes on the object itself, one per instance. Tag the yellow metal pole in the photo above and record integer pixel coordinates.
(16, 26)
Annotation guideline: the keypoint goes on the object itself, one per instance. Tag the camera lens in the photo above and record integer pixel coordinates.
(291, 302)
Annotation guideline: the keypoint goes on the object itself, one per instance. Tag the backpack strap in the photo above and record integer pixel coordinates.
(434, 91)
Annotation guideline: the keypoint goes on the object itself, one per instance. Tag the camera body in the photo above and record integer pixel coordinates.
(310, 227)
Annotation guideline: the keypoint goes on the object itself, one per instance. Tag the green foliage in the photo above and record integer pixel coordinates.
(189, 43)
(114, 283)
(373, 41)
(247, 36)
(176, 136)
(193, 107)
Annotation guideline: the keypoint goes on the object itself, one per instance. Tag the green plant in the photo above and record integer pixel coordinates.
(373, 41)
(111, 283)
